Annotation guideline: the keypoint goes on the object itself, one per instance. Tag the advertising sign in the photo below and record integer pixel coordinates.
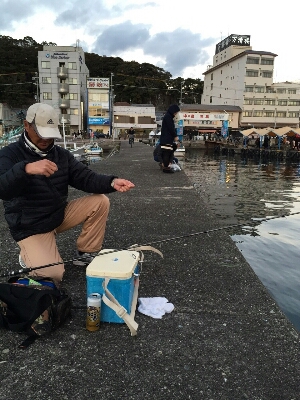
(98, 121)
(97, 83)
(198, 116)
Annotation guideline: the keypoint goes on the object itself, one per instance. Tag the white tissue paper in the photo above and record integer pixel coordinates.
(154, 307)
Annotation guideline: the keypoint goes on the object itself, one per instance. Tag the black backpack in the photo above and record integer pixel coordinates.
(32, 309)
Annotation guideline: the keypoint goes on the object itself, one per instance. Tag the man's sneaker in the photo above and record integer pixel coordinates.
(21, 262)
(83, 259)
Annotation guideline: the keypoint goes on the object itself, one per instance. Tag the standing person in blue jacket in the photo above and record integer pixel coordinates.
(168, 137)
(35, 174)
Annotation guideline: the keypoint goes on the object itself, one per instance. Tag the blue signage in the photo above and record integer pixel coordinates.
(98, 121)
(179, 130)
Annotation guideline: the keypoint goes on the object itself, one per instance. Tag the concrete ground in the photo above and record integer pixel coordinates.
(226, 338)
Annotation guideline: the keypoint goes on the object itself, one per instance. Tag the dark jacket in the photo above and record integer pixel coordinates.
(35, 204)
(168, 132)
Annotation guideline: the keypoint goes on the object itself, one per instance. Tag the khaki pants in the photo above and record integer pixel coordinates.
(41, 249)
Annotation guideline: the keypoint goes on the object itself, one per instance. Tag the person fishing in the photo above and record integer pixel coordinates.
(35, 174)
(168, 137)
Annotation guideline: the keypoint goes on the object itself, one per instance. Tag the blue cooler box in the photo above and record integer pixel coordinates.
(121, 267)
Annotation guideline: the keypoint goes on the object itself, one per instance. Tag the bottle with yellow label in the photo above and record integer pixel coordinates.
(93, 312)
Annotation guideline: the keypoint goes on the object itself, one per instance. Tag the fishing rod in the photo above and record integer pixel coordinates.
(187, 235)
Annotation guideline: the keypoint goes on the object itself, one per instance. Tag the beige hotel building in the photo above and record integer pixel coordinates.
(244, 77)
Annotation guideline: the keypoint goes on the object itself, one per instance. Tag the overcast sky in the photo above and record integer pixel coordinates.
(179, 37)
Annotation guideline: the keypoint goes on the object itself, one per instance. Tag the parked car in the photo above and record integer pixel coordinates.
(99, 135)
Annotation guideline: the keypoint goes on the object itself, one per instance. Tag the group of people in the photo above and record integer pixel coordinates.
(35, 175)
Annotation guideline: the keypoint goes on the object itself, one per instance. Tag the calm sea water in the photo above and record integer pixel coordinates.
(248, 192)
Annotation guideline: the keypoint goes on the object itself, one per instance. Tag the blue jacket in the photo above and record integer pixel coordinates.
(168, 131)
(35, 204)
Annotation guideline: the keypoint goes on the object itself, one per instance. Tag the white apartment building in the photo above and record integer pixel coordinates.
(139, 116)
(243, 77)
(62, 84)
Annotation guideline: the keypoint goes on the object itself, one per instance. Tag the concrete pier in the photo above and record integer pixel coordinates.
(225, 340)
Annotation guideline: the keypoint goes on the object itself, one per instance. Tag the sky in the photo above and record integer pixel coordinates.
(179, 37)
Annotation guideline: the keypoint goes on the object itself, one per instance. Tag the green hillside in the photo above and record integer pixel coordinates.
(133, 82)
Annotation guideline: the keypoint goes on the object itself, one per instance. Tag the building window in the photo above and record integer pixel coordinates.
(251, 72)
(252, 60)
(73, 81)
(46, 79)
(294, 103)
(248, 101)
(258, 101)
(47, 96)
(210, 99)
(220, 83)
(258, 113)
(282, 102)
(292, 91)
(103, 97)
(249, 89)
(281, 90)
(73, 96)
(211, 86)
(269, 113)
(72, 65)
(267, 61)
(247, 113)
(267, 74)
(270, 102)
(294, 114)
(74, 111)
(259, 89)
(281, 114)
(211, 77)
(46, 64)
(96, 112)
(270, 90)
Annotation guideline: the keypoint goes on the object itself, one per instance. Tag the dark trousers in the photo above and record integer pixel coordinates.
(167, 156)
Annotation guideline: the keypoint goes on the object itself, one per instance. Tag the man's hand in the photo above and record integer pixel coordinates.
(42, 167)
(122, 185)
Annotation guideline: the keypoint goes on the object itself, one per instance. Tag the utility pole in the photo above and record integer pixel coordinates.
(180, 101)
(36, 82)
(111, 113)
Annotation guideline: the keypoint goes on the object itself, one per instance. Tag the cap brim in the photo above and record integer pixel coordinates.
(47, 133)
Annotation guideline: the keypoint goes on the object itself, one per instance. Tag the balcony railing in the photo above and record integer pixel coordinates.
(63, 88)
(64, 103)
(64, 118)
(62, 72)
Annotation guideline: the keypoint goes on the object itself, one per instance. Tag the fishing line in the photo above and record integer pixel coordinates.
(187, 235)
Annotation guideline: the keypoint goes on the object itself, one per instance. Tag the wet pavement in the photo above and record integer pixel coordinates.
(225, 339)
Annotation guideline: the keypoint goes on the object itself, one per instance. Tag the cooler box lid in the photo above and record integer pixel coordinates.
(115, 264)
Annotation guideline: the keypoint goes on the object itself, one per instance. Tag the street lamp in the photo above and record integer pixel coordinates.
(111, 106)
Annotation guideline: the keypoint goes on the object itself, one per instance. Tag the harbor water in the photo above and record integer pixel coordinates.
(263, 199)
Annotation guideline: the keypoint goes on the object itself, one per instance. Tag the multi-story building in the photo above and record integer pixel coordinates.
(208, 118)
(243, 77)
(99, 104)
(62, 84)
(139, 116)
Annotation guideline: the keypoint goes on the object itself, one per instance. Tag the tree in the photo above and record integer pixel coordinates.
(133, 82)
